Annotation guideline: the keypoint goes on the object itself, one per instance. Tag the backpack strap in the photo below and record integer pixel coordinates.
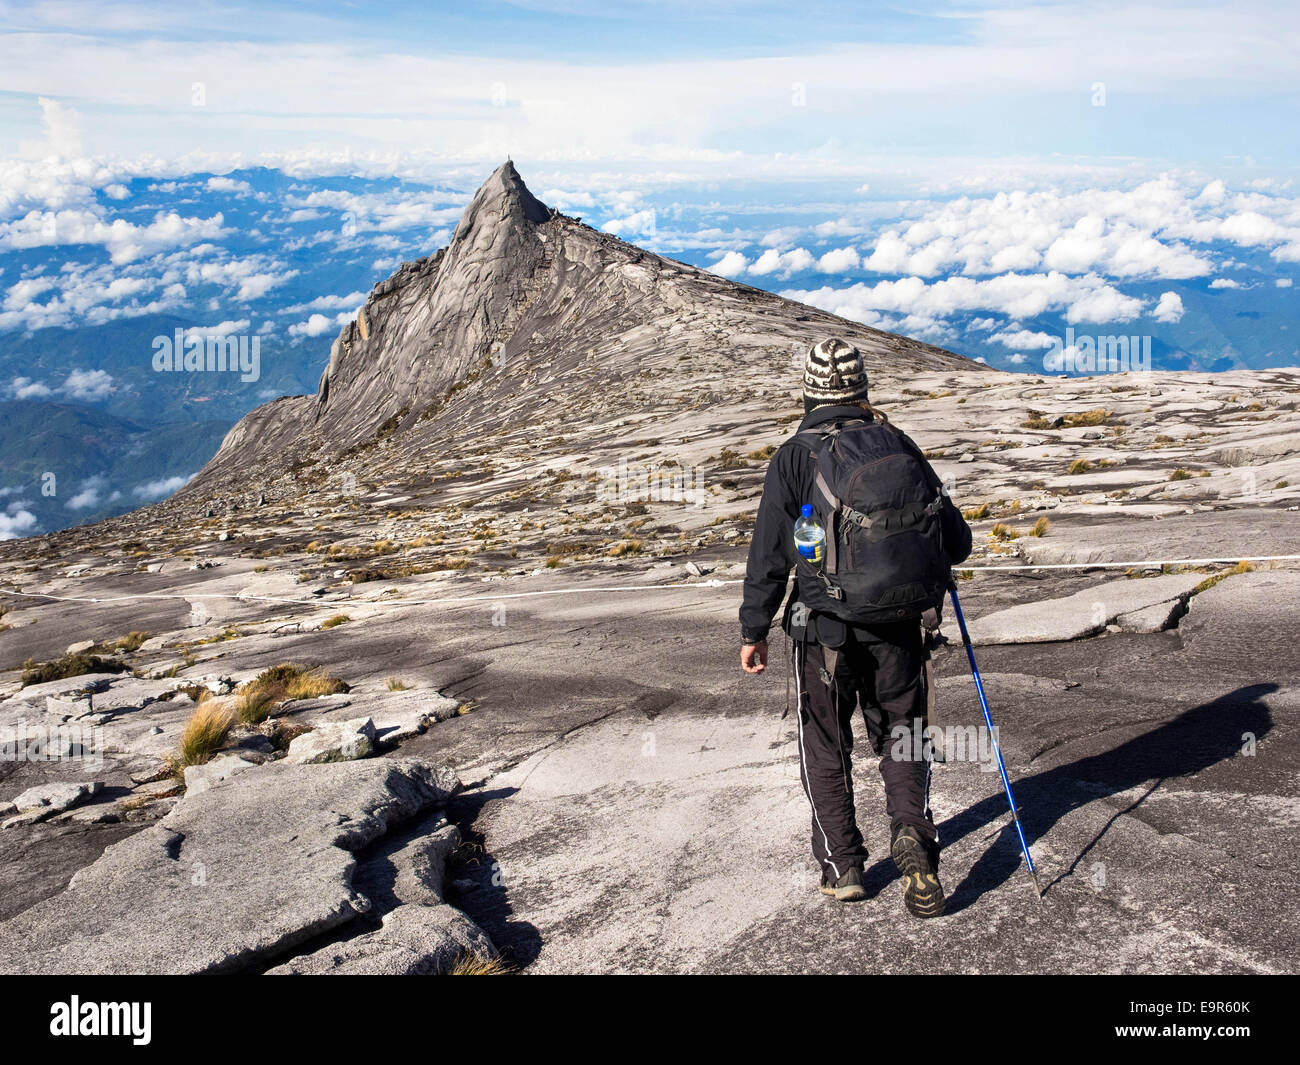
(815, 440)
(832, 505)
(815, 437)
(887, 521)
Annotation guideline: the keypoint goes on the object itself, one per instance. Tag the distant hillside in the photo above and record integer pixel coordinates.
(101, 464)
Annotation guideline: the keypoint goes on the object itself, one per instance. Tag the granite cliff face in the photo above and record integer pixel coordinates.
(526, 302)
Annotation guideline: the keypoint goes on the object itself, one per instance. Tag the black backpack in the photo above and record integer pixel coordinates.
(884, 559)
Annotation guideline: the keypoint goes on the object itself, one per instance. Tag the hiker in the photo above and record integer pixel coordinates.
(854, 617)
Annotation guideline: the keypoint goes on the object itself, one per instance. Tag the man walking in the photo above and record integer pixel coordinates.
(877, 539)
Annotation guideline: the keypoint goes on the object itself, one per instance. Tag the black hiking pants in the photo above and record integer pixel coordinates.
(883, 669)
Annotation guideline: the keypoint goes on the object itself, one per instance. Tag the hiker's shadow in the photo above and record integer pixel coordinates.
(478, 887)
(1193, 741)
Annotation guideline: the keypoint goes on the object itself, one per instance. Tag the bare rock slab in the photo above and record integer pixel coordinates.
(1149, 619)
(340, 741)
(414, 940)
(419, 933)
(199, 778)
(232, 876)
(1075, 616)
(46, 800)
(397, 716)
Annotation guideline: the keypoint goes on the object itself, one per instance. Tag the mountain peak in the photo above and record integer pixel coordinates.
(502, 197)
(529, 307)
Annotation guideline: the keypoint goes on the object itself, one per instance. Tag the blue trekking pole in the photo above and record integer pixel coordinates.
(988, 720)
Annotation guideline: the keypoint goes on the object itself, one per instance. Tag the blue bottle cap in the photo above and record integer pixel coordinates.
(807, 510)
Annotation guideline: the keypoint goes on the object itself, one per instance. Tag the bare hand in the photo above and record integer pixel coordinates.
(753, 657)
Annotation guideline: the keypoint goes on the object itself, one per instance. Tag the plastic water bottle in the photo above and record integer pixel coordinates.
(809, 536)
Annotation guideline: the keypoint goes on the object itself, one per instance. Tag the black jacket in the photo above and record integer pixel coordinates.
(788, 486)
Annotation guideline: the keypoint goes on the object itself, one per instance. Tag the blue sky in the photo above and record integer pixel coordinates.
(693, 84)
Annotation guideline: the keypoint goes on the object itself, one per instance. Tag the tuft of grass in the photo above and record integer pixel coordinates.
(1079, 466)
(1040, 527)
(1037, 420)
(197, 692)
(131, 641)
(395, 685)
(258, 699)
(626, 547)
(68, 666)
(763, 453)
(1096, 416)
(206, 731)
(1180, 474)
(1210, 582)
(1280, 484)
(336, 620)
(472, 964)
(976, 513)
(138, 802)
(1003, 531)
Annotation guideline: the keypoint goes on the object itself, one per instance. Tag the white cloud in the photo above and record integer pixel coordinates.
(88, 385)
(1115, 233)
(838, 261)
(89, 497)
(1169, 309)
(400, 92)
(227, 184)
(124, 241)
(231, 327)
(317, 324)
(382, 212)
(62, 128)
(351, 301)
(26, 388)
(89, 294)
(783, 264)
(1283, 282)
(250, 277)
(1224, 282)
(732, 264)
(1023, 338)
(16, 521)
(566, 200)
(1088, 298)
(642, 222)
(155, 490)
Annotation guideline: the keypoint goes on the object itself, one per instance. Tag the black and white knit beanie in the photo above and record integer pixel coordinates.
(833, 373)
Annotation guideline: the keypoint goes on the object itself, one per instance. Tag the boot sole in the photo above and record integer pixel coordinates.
(846, 894)
(922, 892)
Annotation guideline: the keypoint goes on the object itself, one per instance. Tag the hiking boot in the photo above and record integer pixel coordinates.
(847, 888)
(918, 861)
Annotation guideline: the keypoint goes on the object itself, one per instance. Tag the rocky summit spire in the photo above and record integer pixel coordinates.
(526, 311)
(437, 319)
(502, 197)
